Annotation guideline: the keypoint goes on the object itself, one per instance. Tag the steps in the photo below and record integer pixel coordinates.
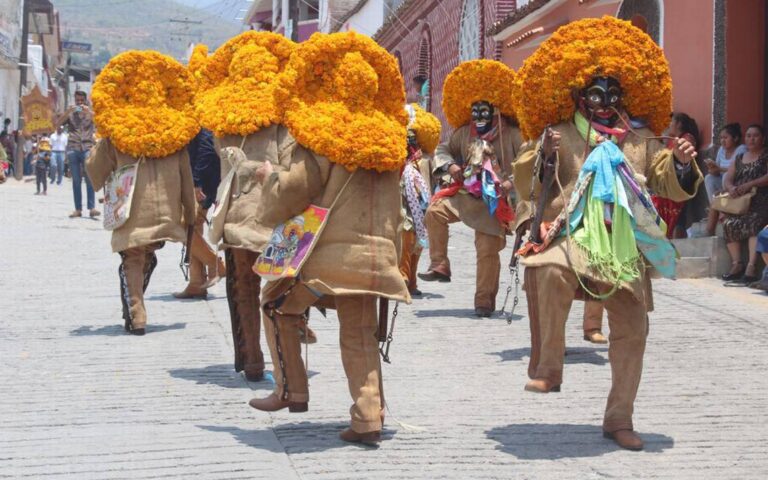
(702, 257)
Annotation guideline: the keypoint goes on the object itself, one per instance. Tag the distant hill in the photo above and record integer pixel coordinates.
(113, 26)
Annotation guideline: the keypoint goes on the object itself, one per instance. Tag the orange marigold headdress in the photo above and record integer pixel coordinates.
(475, 81)
(236, 84)
(426, 126)
(143, 103)
(343, 97)
(581, 50)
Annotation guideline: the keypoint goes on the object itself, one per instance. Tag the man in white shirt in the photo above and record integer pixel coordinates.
(59, 149)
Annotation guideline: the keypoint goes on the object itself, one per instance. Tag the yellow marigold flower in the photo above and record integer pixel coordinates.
(427, 128)
(343, 97)
(474, 81)
(143, 103)
(577, 52)
(236, 84)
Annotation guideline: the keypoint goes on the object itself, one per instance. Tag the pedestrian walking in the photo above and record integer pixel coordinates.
(79, 122)
(58, 154)
(43, 166)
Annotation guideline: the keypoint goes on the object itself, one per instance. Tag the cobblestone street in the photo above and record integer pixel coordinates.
(83, 400)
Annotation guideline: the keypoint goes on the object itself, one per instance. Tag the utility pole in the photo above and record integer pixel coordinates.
(18, 161)
(293, 17)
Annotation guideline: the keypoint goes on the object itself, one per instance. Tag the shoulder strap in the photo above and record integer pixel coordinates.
(330, 209)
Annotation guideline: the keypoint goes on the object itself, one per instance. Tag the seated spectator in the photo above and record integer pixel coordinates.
(762, 248)
(749, 170)
(730, 146)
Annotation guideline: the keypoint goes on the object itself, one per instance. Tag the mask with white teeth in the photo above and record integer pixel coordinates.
(601, 100)
(482, 117)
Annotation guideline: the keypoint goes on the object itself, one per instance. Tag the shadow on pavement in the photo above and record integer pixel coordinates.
(303, 437)
(573, 355)
(224, 375)
(538, 441)
(117, 330)
(451, 312)
(168, 297)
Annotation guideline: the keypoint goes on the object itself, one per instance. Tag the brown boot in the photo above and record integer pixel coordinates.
(371, 439)
(540, 385)
(625, 439)
(595, 336)
(216, 273)
(191, 293)
(307, 335)
(272, 404)
(434, 276)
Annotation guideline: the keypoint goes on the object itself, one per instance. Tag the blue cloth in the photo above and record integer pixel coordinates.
(603, 162)
(762, 241)
(489, 192)
(77, 167)
(206, 166)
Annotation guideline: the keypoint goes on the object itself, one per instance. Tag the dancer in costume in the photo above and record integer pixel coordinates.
(477, 99)
(149, 123)
(235, 101)
(606, 88)
(343, 98)
(416, 189)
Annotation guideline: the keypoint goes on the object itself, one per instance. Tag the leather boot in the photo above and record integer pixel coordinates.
(371, 439)
(243, 293)
(540, 385)
(273, 404)
(625, 439)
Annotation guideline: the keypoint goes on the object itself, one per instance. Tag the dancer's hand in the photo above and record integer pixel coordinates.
(264, 171)
(455, 172)
(684, 151)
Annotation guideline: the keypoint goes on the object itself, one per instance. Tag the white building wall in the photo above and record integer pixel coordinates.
(9, 95)
(368, 20)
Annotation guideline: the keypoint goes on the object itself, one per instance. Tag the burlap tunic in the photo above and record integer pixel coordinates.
(649, 159)
(241, 227)
(163, 196)
(356, 253)
(472, 210)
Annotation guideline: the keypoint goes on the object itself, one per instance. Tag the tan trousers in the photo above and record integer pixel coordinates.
(593, 315)
(410, 252)
(359, 349)
(487, 247)
(135, 271)
(243, 289)
(550, 292)
(201, 255)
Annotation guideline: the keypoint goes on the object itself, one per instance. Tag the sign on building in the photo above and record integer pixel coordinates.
(75, 47)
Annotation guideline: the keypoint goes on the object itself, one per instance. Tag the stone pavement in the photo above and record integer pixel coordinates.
(81, 399)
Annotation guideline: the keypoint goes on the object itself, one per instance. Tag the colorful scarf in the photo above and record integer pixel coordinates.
(606, 193)
(417, 196)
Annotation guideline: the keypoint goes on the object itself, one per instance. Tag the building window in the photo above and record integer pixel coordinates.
(470, 31)
(644, 14)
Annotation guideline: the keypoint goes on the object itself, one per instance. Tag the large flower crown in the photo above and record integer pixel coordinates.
(143, 103)
(426, 126)
(236, 84)
(343, 98)
(474, 81)
(581, 50)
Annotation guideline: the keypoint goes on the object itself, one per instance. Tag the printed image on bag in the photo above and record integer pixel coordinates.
(118, 196)
(291, 245)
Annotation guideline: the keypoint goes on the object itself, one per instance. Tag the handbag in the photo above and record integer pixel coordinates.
(118, 195)
(292, 242)
(723, 202)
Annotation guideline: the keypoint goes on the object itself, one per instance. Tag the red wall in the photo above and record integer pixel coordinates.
(689, 46)
(745, 61)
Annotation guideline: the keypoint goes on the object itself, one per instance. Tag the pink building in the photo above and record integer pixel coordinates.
(430, 37)
(716, 49)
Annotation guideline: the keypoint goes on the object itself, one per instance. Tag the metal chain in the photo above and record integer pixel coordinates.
(514, 273)
(384, 349)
